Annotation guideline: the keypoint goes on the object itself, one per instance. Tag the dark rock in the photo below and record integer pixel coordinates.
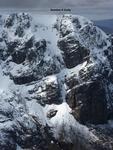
(49, 93)
(31, 55)
(76, 22)
(18, 57)
(53, 94)
(23, 79)
(41, 44)
(19, 31)
(105, 135)
(51, 113)
(10, 20)
(29, 43)
(5, 143)
(12, 46)
(89, 73)
(89, 102)
(71, 81)
(74, 53)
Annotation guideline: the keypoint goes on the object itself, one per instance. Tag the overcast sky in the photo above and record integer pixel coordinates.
(93, 9)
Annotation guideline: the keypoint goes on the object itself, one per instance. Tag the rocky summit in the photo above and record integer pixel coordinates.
(56, 83)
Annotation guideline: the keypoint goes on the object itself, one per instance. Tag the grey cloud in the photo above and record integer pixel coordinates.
(54, 3)
(95, 8)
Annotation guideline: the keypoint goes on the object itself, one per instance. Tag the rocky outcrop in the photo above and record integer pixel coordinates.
(89, 102)
(56, 84)
(74, 52)
(45, 91)
(86, 93)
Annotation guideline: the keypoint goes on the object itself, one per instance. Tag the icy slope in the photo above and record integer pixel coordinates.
(56, 77)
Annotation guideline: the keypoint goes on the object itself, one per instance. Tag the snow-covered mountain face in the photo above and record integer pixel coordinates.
(56, 83)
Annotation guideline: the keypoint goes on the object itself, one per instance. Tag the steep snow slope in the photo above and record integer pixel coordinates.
(50, 70)
(5, 82)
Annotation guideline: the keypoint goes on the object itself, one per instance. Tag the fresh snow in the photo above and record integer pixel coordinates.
(45, 30)
(4, 82)
(35, 109)
(64, 123)
(63, 120)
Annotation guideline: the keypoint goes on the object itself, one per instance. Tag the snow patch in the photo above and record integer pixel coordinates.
(65, 126)
(4, 82)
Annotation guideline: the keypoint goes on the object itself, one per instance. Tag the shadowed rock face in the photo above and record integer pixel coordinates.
(56, 84)
(88, 100)
(87, 93)
(74, 53)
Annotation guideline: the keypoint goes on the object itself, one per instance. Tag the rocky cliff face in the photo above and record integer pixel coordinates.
(56, 88)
